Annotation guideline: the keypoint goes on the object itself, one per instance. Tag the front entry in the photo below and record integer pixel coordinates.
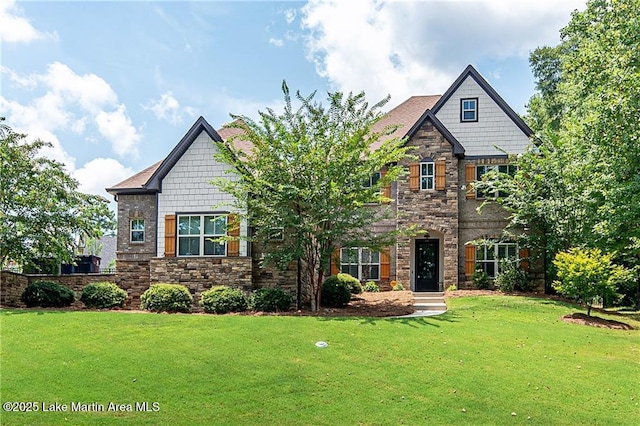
(427, 273)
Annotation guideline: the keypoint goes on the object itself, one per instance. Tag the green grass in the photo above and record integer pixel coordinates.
(486, 358)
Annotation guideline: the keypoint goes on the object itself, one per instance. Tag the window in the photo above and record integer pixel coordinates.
(502, 168)
(361, 263)
(372, 180)
(427, 175)
(196, 232)
(469, 109)
(137, 230)
(488, 256)
(276, 234)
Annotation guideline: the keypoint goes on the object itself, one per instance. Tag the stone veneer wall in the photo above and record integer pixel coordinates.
(430, 209)
(270, 276)
(133, 277)
(199, 274)
(12, 285)
(141, 206)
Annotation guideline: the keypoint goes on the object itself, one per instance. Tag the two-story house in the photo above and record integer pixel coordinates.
(166, 216)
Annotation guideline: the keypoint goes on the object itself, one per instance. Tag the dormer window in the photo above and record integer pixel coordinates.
(469, 110)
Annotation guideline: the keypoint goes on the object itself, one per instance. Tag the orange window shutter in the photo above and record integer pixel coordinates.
(414, 176)
(386, 191)
(524, 258)
(469, 259)
(440, 175)
(170, 235)
(385, 267)
(470, 177)
(335, 262)
(233, 230)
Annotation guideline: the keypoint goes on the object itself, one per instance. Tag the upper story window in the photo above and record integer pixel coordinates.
(375, 177)
(484, 169)
(427, 175)
(196, 234)
(488, 256)
(360, 263)
(136, 230)
(469, 109)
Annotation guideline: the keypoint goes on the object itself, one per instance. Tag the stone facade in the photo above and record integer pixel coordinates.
(433, 211)
(140, 206)
(133, 277)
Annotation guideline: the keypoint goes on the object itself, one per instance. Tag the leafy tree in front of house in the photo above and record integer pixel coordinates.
(309, 175)
(589, 276)
(41, 210)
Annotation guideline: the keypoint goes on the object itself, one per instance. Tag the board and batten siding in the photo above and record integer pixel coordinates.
(187, 188)
(493, 128)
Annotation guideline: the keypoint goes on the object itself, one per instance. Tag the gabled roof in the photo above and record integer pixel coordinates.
(470, 71)
(150, 179)
(458, 149)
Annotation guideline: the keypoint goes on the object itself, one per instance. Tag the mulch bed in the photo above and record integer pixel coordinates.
(583, 319)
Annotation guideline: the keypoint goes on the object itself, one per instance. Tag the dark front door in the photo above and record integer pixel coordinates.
(427, 265)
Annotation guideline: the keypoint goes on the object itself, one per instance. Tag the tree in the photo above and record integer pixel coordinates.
(41, 211)
(588, 275)
(580, 186)
(306, 175)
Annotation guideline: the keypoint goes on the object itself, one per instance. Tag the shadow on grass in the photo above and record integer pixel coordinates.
(37, 311)
(415, 322)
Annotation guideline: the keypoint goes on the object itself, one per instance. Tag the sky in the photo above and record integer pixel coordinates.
(114, 86)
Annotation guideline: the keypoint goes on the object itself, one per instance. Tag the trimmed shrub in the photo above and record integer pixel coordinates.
(47, 294)
(371, 287)
(270, 300)
(354, 284)
(336, 292)
(511, 277)
(103, 295)
(222, 299)
(167, 298)
(452, 287)
(397, 287)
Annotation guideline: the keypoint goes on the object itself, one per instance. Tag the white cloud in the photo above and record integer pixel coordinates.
(70, 103)
(408, 48)
(16, 29)
(168, 108)
(101, 173)
(290, 15)
(277, 42)
(117, 128)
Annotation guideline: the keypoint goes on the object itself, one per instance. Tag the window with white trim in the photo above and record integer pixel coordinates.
(482, 170)
(196, 234)
(427, 175)
(136, 230)
(469, 110)
(375, 177)
(488, 256)
(361, 263)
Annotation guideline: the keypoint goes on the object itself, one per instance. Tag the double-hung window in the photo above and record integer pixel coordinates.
(196, 235)
(427, 175)
(360, 263)
(136, 230)
(484, 169)
(375, 177)
(488, 256)
(469, 110)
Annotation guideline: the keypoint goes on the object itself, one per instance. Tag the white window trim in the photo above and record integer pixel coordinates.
(360, 264)
(131, 230)
(373, 179)
(496, 260)
(463, 110)
(427, 175)
(202, 236)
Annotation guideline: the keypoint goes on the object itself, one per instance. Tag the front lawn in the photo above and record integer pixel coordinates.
(488, 360)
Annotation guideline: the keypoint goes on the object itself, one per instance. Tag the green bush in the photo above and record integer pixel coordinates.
(336, 292)
(47, 294)
(397, 286)
(481, 279)
(354, 284)
(371, 287)
(222, 299)
(511, 277)
(103, 295)
(167, 298)
(270, 300)
(452, 287)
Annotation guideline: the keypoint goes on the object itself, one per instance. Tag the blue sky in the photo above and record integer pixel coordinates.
(115, 85)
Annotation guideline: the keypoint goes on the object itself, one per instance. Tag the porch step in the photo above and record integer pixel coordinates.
(423, 301)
